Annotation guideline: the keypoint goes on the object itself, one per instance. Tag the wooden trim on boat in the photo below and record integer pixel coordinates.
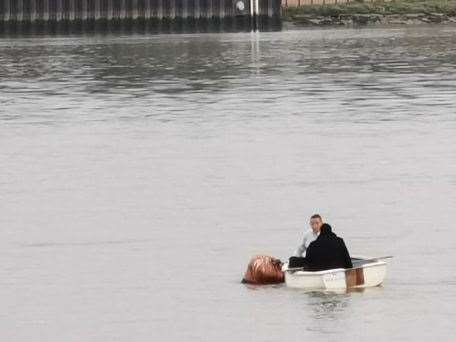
(354, 277)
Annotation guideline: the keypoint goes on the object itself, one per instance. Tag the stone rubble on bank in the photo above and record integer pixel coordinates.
(372, 19)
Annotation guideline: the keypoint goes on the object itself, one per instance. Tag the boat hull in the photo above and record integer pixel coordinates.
(366, 275)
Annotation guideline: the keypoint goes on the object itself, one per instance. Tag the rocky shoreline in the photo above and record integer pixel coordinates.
(372, 19)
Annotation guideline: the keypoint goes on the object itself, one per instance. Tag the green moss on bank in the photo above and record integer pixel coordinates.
(447, 7)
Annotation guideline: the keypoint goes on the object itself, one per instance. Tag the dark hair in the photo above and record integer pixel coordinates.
(325, 229)
(316, 216)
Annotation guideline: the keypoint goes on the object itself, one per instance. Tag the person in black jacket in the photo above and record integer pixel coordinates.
(327, 252)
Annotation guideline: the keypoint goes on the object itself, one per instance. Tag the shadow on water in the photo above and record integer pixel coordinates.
(331, 304)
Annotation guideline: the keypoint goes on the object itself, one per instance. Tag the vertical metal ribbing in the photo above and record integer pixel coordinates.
(114, 9)
(101, 6)
(24, 11)
(77, 9)
(88, 6)
(228, 8)
(40, 9)
(19, 10)
(33, 10)
(190, 8)
(102, 9)
(145, 9)
(109, 10)
(97, 9)
(117, 11)
(158, 9)
(130, 9)
(91, 9)
(216, 8)
(197, 9)
(84, 10)
(178, 7)
(46, 10)
(185, 6)
(27, 10)
(148, 9)
(4, 16)
(172, 9)
(71, 9)
(222, 9)
(59, 10)
(202, 8)
(210, 8)
(142, 9)
(65, 9)
(119, 8)
(51, 9)
(123, 9)
(103, 13)
(166, 8)
(11, 9)
(134, 9)
(7, 9)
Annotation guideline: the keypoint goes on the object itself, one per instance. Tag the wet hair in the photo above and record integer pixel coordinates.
(316, 216)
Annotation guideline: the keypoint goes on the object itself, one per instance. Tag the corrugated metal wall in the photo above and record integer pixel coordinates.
(68, 10)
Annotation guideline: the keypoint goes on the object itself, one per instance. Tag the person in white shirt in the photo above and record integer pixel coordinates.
(309, 236)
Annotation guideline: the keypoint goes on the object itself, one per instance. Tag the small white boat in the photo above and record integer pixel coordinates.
(366, 272)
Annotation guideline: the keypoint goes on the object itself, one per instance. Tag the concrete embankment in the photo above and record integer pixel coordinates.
(377, 12)
(361, 19)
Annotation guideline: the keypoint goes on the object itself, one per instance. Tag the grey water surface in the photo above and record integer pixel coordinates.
(139, 174)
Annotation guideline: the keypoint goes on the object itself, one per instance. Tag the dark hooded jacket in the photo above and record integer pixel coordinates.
(328, 251)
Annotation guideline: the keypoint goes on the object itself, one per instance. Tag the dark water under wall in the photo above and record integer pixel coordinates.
(166, 25)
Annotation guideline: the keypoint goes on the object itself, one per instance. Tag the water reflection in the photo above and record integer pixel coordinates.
(180, 64)
(328, 305)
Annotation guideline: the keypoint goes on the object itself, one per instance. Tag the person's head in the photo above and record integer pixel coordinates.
(316, 222)
(325, 229)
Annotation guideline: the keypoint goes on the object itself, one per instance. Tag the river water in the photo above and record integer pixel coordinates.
(140, 173)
